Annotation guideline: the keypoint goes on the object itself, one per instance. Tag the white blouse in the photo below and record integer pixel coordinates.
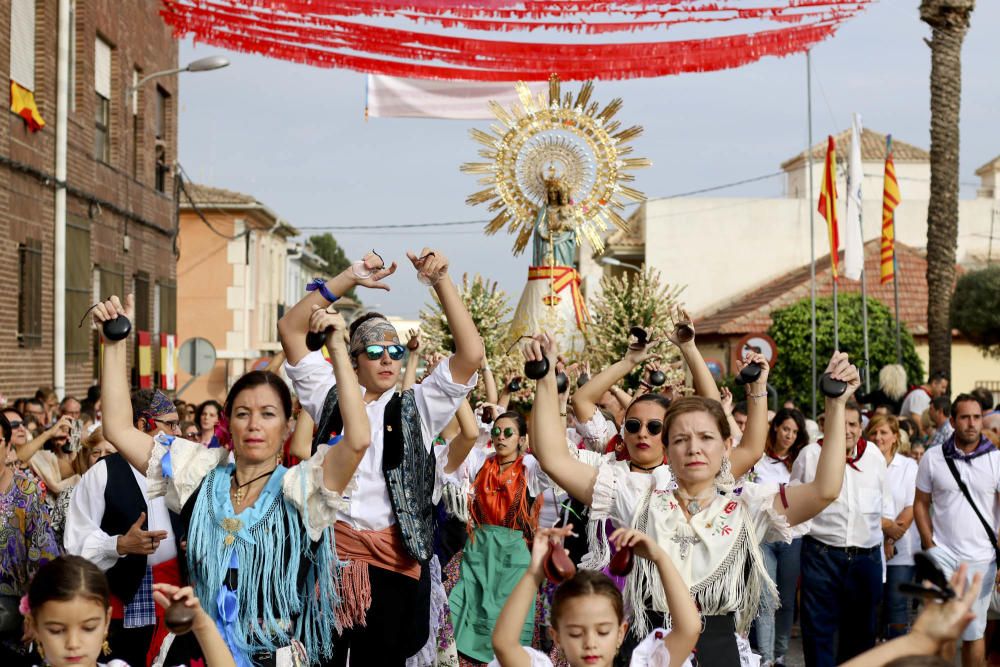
(190, 463)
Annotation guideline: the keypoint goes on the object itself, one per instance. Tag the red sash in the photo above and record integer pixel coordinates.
(168, 572)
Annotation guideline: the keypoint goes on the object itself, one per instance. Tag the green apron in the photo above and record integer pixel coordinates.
(493, 562)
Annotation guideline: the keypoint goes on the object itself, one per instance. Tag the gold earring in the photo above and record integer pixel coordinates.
(106, 648)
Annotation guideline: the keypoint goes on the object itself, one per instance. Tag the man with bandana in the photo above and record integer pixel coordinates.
(113, 523)
(386, 533)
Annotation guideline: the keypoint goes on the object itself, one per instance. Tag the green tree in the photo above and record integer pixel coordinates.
(336, 260)
(792, 375)
(975, 309)
(634, 299)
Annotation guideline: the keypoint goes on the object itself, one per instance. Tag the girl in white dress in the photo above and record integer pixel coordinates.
(711, 529)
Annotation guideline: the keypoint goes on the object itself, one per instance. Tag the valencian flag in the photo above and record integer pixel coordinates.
(828, 203)
(890, 200)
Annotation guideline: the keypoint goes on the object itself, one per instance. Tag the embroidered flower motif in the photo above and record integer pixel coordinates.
(730, 508)
(727, 530)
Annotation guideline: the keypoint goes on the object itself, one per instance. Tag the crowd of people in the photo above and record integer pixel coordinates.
(341, 511)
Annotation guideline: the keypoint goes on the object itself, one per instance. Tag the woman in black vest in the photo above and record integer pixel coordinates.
(259, 551)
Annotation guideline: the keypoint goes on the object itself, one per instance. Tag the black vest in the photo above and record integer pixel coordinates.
(123, 503)
(407, 465)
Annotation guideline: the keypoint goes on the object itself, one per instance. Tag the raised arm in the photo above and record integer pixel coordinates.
(29, 449)
(489, 382)
(683, 337)
(548, 433)
(807, 500)
(343, 458)
(468, 433)
(433, 266)
(585, 398)
(413, 360)
(510, 622)
(294, 325)
(754, 437)
(116, 401)
(302, 437)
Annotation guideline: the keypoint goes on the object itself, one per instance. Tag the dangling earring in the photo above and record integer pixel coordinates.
(725, 481)
(41, 654)
(106, 648)
(672, 484)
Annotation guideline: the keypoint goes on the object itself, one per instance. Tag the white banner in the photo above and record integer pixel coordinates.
(395, 97)
(854, 258)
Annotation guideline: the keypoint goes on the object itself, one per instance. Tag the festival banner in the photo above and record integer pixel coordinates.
(828, 203)
(168, 361)
(890, 200)
(854, 258)
(145, 358)
(396, 97)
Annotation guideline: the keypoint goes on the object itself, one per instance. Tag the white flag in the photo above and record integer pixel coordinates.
(396, 97)
(854, 257)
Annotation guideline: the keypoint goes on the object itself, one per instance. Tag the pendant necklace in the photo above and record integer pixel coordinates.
(694, 505)
(241, 489)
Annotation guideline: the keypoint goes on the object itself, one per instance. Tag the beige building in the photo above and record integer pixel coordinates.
(729, 249)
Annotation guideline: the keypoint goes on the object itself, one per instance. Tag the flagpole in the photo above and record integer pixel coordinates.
(812, 228)
(864, 291)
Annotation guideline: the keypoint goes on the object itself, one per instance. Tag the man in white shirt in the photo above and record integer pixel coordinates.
(842, 554)
(919, 398)
(385, 598)
(953, 533)
(113, 523)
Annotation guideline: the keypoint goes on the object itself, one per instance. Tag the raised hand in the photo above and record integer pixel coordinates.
(413, 340)
(328, 319)
(641, 544)
(111, 309)
(683, 331)
(727, 400)
(431, 265)
(945, 622)
(637, 353)
(755, 358)
(371, 270)
(841, 368)
(544, 537)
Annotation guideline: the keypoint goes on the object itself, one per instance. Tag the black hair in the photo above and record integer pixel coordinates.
(852, 405)
(740, 407)
(257, 379)
(659, 399)
(518, 418)
(361, 320)
(985, 398)
(62, 403)
(201, 408)
(586, 582)
(65, 578)
(801, 438)
(963, 398)
(34, 401)
(94, 393)
(942, 404)
(16, 412)
(5, 426)
(938, 375)
(695, 404)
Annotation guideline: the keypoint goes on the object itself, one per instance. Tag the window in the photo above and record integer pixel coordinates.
(29, 296)
(79, 287)
(167, 308)
(102, 97)
(111, 281)
(22, 43)
(143, 298)
(162, 161)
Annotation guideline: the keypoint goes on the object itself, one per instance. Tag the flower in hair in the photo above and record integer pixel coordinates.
(23, 607)
(222, 434)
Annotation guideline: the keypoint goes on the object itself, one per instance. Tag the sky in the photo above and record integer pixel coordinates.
(295, 137)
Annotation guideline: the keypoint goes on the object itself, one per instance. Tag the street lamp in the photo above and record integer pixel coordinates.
(611, 261)
(201, 65)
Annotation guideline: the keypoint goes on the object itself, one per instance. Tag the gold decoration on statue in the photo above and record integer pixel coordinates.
(566, 155)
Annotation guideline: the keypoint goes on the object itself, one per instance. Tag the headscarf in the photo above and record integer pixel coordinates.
(376, 330)
(159, 405)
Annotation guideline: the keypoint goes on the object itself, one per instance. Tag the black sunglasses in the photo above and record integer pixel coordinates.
(375, 352)
(507, 432)
(653, 426)
(16, 424)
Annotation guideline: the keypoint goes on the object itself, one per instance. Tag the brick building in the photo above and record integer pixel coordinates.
(120, 223)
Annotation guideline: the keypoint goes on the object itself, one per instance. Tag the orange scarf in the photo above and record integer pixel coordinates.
(500, 498)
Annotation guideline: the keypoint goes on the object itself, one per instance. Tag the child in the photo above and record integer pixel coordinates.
(69, 613)
(588, 619)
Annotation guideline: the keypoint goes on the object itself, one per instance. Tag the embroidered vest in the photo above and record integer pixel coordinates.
(407, 465)
(123, 503)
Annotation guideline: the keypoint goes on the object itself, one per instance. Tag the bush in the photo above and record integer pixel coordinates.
(975, 309)
(790, 326)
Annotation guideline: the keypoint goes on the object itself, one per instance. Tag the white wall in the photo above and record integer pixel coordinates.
(913, 178)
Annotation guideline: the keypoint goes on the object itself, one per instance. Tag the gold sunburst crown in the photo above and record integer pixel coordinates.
(568, 145)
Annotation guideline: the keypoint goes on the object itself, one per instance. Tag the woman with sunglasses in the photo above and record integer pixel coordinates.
(259, 543)
(507, 485)
(693, 510)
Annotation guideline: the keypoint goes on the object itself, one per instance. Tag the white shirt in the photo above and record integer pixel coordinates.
(915, 403)
(84, 537)
(902, 473)
(437, 397)
(953, 520)
(770, 470)
(854, 519)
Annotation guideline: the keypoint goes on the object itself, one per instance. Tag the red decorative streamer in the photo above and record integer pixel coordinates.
(272, 27)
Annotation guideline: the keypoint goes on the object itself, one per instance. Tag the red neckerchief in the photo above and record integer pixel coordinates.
(921, 388)
(859, 452)
(778, 459)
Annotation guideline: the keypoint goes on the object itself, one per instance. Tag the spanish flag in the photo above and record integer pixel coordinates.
(22, 102)
(890, 200)
(828, 203)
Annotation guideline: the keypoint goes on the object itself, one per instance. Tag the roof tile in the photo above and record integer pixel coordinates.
(872, 149)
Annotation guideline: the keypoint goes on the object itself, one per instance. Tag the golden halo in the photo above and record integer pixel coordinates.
(585, 147)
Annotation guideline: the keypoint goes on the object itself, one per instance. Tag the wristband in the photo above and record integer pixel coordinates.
(319, 285)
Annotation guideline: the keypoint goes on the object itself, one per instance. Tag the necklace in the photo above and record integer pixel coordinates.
(643, 468)
(694, 504)
(240, 492)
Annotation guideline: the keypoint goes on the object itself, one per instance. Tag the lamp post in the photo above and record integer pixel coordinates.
(611, 261)
(201, 65)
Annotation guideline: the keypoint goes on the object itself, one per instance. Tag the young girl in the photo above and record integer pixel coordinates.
(588, 617)
(70, 611)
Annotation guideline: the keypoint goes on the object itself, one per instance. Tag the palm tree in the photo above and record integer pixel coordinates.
(949, 21)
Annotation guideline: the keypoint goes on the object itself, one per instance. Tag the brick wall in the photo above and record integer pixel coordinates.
(139, 40)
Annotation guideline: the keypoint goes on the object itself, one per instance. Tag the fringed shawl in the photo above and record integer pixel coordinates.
(285, 583)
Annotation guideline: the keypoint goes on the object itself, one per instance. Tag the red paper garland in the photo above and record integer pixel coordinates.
(272, 27)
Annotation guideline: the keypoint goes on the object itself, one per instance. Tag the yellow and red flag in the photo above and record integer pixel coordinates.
(22, 102)
(890, 200)
(828, 203)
